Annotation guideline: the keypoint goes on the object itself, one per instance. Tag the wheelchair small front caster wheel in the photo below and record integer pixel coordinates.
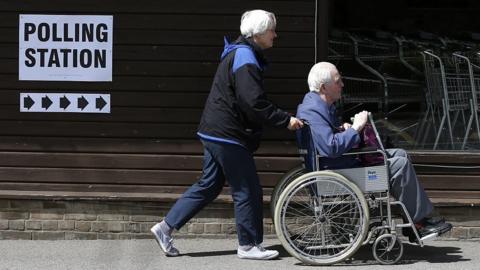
(387, 249)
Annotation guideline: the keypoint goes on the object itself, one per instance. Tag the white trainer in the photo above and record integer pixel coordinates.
(257, 253)
(164, 241)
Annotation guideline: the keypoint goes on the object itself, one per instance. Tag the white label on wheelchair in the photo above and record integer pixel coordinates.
(368, 179)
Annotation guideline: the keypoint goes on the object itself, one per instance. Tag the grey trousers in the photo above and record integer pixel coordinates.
(404, 185)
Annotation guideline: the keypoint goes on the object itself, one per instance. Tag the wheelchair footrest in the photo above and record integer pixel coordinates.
(429, 237)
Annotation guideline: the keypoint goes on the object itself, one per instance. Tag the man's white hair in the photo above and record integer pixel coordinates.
(257, 22)
(320, 74)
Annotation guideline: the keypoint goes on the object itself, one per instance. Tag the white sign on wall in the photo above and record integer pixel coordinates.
(65, 102)
(65, 47)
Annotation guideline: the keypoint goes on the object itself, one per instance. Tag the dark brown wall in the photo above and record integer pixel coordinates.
(164, 57)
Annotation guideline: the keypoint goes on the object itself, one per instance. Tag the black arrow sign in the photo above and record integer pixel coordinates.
(82, 103)
(28, 102)
(46, 102)
(64, 102)
(100, 103)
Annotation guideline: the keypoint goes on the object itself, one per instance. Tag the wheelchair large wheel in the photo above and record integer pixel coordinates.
(321, 218)
(286, 179)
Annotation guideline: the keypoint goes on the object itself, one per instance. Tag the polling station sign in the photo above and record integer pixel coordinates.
(65, 47)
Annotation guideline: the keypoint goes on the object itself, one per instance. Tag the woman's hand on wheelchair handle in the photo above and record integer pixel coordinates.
(294, 123)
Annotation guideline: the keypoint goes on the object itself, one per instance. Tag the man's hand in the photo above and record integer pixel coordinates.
(360, 120)
(294, 124)
(346, 126)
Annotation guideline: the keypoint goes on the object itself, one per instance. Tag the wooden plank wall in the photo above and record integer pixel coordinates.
(449, 177)
(165, 54)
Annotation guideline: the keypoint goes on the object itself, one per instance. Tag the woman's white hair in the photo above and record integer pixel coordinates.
(320, 74)
(257, 22)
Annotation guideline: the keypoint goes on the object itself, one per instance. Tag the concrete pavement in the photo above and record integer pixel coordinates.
(212, 254)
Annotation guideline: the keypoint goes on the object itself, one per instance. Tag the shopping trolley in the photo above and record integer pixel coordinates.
(450, 89)
(464, 65)
(476, 96)
(382, 59)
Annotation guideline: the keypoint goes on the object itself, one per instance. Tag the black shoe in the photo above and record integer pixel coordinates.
(427, 226)
(439, 228)
(432, 221)
(424, 222)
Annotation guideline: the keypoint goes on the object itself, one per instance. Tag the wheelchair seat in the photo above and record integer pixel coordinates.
(369, 179)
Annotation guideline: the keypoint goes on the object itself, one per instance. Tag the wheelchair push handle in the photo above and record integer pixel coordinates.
(304, 121)
(370, 118)
(372, 123)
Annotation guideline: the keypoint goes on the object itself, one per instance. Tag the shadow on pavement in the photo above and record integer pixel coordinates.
(210, 253)
(411, 254)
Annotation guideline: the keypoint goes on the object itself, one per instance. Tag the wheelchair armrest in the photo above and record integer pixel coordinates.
(364, 150)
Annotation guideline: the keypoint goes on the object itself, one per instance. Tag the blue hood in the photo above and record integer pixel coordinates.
(231, 47)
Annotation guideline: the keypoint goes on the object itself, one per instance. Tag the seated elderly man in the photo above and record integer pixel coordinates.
(332, 140)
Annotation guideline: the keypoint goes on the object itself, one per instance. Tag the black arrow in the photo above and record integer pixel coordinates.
(28, 102)
(46, 102)
(64, 102)
(100, 103)
(82, 103)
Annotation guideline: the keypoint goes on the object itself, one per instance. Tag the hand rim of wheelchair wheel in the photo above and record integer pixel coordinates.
(381, 251)
(336, 248)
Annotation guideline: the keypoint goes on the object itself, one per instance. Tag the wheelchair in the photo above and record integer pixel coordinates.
(322, 217)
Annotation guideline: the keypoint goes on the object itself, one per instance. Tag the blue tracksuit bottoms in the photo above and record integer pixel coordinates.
(235, 164)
